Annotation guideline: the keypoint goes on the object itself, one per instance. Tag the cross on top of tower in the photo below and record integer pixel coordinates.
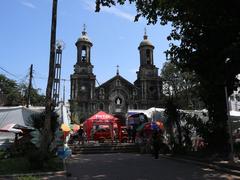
(145, 33)
(117, 69)
(84, 29)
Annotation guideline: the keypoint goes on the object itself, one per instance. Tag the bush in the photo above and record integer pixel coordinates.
(28, 178)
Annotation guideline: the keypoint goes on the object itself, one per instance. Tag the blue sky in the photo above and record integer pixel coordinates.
(25, 39)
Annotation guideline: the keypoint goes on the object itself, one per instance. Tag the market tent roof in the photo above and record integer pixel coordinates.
(99, 118)
(18, 115)
(155, 114)
(235, 114)
(101, 115)
(132, 112)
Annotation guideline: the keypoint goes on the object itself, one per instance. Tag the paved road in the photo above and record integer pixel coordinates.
(137, 167)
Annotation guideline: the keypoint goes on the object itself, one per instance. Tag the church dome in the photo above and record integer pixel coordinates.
(84, 37)
(145, 41)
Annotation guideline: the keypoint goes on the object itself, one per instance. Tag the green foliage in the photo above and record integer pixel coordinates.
(22, 165)
(204, 128)
(183, 86)
(14, 165)
(35, 98)
(10, 91)
(37, 121)
(209, 44)
(28, 178)
(14, 94)
(173, 120)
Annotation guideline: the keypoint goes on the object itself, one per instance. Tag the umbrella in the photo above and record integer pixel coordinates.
(150, 126)
(160, 124)
(65, 127)
(75, 127)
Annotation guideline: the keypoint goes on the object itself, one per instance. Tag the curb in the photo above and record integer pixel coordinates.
(209, 165)
(39, 174)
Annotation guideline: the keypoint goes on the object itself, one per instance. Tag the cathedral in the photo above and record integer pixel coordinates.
(116, 95)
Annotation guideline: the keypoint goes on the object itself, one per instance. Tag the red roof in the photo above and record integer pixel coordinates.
(101, 115)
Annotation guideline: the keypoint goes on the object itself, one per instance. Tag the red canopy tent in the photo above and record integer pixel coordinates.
(102, 118)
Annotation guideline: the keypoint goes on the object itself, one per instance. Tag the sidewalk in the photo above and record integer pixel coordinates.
(220, 165)
(42, 175)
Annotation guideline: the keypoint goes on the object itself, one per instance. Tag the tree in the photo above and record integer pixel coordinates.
(36, 99)
(182, 86)
(9, 91)
(209, 37)
(14, 94)
(172, 114)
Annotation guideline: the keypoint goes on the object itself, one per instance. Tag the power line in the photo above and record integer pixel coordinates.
(9, 72)
(98, 82)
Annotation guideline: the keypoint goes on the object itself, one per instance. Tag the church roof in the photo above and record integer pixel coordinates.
(115, 78)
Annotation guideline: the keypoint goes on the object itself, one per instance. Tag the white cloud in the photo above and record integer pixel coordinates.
(28, 4)
(117, 12)
(90, 5)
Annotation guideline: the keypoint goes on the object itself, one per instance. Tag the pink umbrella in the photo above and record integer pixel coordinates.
(75, 127)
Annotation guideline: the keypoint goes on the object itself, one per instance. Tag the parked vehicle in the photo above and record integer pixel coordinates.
(102, 134)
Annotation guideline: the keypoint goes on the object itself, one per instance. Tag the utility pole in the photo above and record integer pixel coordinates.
(47, 134)
(30, 85)
(64, 90)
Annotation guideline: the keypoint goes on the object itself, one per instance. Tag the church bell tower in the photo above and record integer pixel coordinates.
(148, 81)
(82, 80)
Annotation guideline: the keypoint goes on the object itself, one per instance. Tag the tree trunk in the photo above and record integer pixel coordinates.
(218, 140)
(47, 133)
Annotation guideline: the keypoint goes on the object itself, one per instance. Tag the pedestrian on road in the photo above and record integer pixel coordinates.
(156, 141)
(134, 132)
(81, 135)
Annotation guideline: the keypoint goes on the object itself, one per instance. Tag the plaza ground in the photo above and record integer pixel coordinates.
(128, 166)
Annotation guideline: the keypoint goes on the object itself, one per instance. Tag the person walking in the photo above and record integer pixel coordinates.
(134, 132)
(81, 135)
(156, 141)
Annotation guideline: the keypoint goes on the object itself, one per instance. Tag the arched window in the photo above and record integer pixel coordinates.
(101, 91)
(118, 83)
(148, 56)
(134, 92)
(84, 53)
(118, 101)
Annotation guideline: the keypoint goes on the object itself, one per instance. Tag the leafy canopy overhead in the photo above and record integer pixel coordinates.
(209, 32)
